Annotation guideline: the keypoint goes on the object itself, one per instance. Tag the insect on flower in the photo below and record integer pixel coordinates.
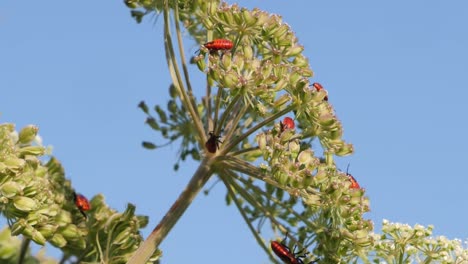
(287, 123)
(213, 142)
(286, 255)
(354, 183)
(319, 87)
(82, 203)
(219, 44)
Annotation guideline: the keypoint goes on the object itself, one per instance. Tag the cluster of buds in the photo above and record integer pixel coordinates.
(416, 245)
(40, 204)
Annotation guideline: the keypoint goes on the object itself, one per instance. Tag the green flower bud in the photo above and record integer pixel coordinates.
(131, 3)
(58, 241)
(230, 80)
(14, 164)
(201, 63)
(285, 98)
(33, 218)
(301, 61)
(18, 227)
(312, 200)
(281, 84)
(294, 50)
(70, 231)
(32, 150)
(248, 18)
(261, 141)
(226, 61)
(27, 134)
(294, 148)
(346, 149)
(47, 230)
(122, 236)
(51, 210)
(10, 189)
(24, 204)
(306, 156)
(248, 51)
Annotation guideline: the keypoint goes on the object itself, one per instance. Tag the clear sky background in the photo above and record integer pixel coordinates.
(396, 72)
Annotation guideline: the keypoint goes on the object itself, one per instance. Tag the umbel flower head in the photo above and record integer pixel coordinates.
(37, 201)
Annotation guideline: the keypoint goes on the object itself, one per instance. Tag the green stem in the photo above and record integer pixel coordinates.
(24, 249)
(182, 54)
(150, 245)
(244, 216)
(176, 77)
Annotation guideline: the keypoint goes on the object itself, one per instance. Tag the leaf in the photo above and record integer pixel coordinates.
(148, 145)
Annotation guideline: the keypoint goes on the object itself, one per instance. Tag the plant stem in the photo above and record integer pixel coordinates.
(149, 246)
(24, 249)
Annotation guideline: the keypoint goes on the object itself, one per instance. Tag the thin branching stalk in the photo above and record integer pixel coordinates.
(176, 77)
(182, 55)
(244, 216)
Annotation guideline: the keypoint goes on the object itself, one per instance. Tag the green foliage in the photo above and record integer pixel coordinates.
(37, 201)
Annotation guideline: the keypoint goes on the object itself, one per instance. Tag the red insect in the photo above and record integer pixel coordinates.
(82, 203)
(219, 44)
(288, 123)
(286, 255)
(354, 183)
(213, 142)
(319, 87)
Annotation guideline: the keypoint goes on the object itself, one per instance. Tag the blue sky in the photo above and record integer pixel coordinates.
(395, 73)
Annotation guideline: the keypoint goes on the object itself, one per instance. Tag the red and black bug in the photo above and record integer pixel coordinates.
(287, 123)
(213, 142)
(286, 255)
(354, 183)
(319, 87)
(82, 203)
(219, 44)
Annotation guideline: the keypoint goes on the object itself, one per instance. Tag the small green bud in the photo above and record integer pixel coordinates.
(248, 51)
(71, 231)
(301, 61)
(294, 50)
(58, 241)
(131, 3)
(249, 19)
(261, 141)
(285, 98)
(173, 91)
(10, 189)
(14, 164)
(346, 149)
(305, 156)
(63, 218)
(201, 63)
(18, 227)
(24, 204)
(231, 79)
(312, 200)
(27, 134)
(122, 236)
(32, 150)
(226, 61)
(47, 230)
(51, 210)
